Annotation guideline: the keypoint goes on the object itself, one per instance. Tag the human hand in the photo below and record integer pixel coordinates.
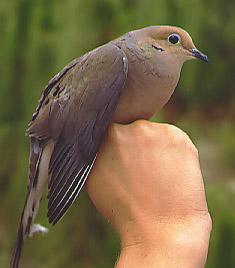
(147, 182)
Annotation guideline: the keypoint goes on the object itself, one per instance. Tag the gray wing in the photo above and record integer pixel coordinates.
(78, 110)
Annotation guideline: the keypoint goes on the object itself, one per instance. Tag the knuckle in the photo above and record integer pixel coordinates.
(176, 134)
(180, 138)
(142, 127)
(140, 124)
(144, 132)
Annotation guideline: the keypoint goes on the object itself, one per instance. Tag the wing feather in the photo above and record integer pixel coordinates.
(95, 87)
(62, 185)
(75, 111)
(71, 194)
(60, 181)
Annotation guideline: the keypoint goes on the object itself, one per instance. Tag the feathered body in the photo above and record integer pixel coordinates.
(127, 79)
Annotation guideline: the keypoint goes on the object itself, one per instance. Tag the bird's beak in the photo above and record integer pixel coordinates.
(199, 55)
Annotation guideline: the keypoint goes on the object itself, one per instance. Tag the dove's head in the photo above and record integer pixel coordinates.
(171, 43)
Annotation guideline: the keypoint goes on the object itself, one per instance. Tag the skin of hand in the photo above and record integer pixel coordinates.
(148, 184)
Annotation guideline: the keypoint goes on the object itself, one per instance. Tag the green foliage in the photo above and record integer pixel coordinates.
(221, 206)
(38, 38)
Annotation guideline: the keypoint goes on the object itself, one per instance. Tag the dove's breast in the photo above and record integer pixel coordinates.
(148, 88)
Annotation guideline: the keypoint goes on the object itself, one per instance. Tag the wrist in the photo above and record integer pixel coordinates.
(166, 244)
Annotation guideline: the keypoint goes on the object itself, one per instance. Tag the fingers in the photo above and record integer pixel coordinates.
(148, 168)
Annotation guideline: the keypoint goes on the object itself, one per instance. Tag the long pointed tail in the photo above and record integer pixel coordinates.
(39, 161)
(25, 226)
(23, 230)
(15, 257)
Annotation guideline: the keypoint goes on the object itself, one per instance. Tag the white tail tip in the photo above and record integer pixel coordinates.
(38, 228)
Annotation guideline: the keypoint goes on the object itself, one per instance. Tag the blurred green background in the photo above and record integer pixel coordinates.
(37, 38)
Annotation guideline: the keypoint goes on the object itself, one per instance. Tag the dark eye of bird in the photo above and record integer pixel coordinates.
(174, 38)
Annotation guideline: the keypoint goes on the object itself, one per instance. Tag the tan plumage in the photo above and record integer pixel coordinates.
(129, 78)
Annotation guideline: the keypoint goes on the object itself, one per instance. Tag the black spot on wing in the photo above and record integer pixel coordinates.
(51, 84)
(56, 91)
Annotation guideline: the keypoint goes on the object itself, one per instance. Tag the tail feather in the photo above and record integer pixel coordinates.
(38, 178)
(25, 227)
(15, 258)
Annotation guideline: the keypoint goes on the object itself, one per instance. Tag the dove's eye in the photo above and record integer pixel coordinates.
(174, 39)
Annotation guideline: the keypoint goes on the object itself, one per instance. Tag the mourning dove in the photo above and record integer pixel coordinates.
(127, 79)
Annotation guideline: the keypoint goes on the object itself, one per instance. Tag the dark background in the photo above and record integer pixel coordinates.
(37, 38)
